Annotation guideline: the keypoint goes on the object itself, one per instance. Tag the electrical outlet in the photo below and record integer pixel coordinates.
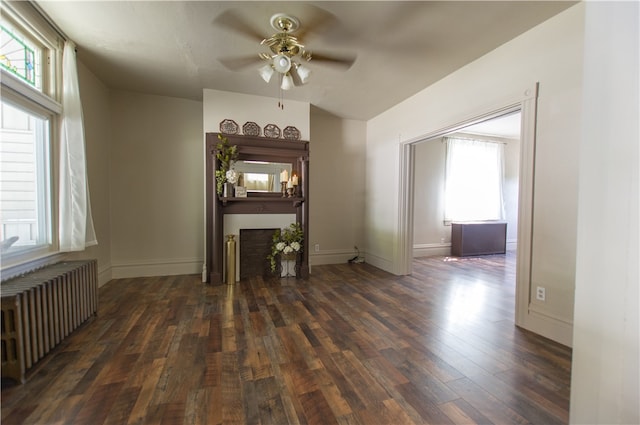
(317, 247)
(541, 293)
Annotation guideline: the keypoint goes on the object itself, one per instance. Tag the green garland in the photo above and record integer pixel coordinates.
(226, 155)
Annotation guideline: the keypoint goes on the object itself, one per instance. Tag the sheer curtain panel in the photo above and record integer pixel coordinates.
(76, 229)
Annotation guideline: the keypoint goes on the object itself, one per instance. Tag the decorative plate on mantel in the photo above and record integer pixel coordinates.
(251, 129)
(291, 133)
(272, 130)
(228, 127)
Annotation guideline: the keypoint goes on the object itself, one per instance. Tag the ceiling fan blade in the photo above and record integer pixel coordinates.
(237, 63)
(231, 19)
(319, 21)
(344, 61)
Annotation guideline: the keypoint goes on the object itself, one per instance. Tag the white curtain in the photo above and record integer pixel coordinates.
(473, 180)
(75, 227)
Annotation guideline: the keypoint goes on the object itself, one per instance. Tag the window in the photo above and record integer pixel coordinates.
(25, 203)
(473, 180)
(28, 115)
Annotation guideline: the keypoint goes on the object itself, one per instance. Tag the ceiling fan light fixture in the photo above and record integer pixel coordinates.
(303, 72)
(266, 72)
(282, 63)
(287, 82)
(300, 74)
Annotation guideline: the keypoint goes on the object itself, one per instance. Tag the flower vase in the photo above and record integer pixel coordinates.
(227, 191)
(288, 265)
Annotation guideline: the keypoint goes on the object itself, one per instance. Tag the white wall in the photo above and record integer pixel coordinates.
(156, 185)
(605, 372)
(241, 108)
(550, 54)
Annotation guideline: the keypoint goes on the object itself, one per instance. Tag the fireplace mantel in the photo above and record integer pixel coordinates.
(252, 148)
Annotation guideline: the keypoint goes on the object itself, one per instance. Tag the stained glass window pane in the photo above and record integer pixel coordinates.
(19, 56)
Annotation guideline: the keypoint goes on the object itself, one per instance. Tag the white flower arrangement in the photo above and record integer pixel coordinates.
(232, 176)
(286, 242)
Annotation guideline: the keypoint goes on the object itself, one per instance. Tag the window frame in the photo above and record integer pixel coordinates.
(44, 103)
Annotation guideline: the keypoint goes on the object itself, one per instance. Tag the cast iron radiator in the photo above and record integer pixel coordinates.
(41, 308)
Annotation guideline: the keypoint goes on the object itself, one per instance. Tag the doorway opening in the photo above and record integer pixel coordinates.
(526, 106)
(486, 187)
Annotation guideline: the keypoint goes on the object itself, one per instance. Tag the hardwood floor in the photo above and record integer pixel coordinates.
(351, 345)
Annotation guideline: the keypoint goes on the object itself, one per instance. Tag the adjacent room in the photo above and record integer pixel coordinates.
(319, 212)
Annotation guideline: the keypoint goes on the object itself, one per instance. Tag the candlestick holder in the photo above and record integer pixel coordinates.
(284, 189)
(291, 191)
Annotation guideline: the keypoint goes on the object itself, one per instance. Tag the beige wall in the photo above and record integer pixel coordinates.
(337, 188)
(430, 235)
(157, 183)
(550, 54)
(97, 126)
(605, 372)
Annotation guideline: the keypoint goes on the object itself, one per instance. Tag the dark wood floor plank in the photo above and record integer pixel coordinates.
(96, 407)
(120, 411)
(462, 413)
(316, 409)
(339, 402)
(145, 396)
(486, 403)
(426, 408)
(385, 412)
(510, 393)
(350, 345)
(335, 376)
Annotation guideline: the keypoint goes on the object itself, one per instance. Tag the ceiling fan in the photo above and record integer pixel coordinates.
(287, 54)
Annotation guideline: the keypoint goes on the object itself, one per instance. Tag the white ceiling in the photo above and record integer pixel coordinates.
(171, 48)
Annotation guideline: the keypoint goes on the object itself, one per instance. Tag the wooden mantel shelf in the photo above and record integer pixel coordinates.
(295, 201)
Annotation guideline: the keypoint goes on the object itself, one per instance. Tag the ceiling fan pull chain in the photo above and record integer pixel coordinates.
(280, 94)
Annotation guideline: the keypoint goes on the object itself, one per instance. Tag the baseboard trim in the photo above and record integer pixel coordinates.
(549, 325)
(105, 274)
(381, 263)
(166, 267)
(336, 256)
(431, 249)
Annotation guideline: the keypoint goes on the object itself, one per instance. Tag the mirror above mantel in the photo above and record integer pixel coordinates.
(261, 176)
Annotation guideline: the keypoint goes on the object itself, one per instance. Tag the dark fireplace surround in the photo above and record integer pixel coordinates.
(252, 148)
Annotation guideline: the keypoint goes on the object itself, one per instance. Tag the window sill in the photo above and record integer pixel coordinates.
(18, 267)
